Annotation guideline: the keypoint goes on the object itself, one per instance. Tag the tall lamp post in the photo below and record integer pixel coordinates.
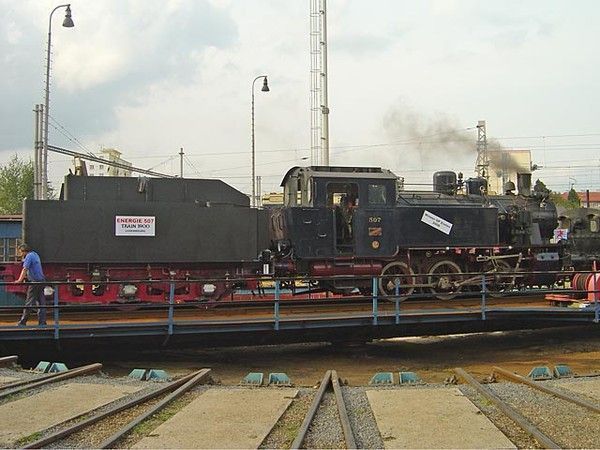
(67, 22)
(265, 88)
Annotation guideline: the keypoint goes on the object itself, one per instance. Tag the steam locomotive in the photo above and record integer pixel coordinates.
(131, 240)
(446, 234)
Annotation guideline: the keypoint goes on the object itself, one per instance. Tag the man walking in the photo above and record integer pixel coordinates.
(32, 271)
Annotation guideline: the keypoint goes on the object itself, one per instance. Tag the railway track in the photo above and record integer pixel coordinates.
(17, 387)
(135, 418)
(330, 379)
(533, 426)
(166, 395)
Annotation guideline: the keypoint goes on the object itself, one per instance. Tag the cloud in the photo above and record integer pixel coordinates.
(362, 44)
(117, 51)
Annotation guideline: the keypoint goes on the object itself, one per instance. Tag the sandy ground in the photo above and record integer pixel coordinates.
(433, 358)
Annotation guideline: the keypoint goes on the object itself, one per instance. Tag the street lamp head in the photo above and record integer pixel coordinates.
(68, 22)
(265, 87)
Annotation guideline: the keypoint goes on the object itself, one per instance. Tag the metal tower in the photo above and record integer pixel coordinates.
(483, 162)
(319, 108)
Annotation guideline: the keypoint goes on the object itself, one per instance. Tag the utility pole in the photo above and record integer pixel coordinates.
(483, 162)
(181, 162)
(38, 146)
(319, 103)
(257, 201)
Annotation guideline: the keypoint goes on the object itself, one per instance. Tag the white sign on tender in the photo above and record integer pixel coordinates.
(436, 222)
(134, 225)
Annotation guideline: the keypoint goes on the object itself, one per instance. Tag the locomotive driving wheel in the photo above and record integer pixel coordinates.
(500, 280)
(444, 279)
(397, 273)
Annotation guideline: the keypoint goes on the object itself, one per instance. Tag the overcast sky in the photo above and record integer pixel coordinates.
(148, 77)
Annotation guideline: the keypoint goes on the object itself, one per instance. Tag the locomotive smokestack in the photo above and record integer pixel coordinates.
(524, 183)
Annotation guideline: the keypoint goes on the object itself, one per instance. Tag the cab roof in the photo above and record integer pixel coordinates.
(339, 172)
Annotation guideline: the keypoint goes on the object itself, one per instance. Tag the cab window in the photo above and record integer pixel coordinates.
(377, 194)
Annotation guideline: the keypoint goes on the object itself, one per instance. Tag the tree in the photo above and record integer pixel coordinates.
(573, 198)
(16, 183)
(541, 188)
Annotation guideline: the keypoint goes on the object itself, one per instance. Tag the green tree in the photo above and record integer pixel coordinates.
(573, 198)
(16, 183)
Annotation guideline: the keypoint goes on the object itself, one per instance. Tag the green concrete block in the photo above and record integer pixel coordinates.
(382, 378)
(253, 378)
(279, 379)
(540, 373)
(562, 371)
(138, 374)
(157, 375)
(58, 367)
(43, 367)
(408, 378)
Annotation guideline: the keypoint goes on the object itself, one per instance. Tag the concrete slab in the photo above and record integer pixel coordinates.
(4, 380)
(28, 415)
(591, 388)
(223, 418)
(432, 418)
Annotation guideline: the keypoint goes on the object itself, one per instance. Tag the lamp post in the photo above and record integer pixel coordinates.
(68, 23)
(265, 88)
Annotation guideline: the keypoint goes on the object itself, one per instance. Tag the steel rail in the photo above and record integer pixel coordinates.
(339, 398)
(297, 444)
(196, 378)
(4, 361)
(513, 414)
(58, 377)
(54, 437)
(519, 379)
(15, 384)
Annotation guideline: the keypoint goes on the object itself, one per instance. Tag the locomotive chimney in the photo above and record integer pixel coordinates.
(524, 183)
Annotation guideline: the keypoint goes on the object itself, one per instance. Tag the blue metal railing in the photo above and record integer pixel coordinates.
(376, 297)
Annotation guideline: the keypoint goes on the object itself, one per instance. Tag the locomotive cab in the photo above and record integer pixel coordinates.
(335, 211)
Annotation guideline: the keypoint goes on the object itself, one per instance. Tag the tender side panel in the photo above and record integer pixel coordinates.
(84, 232)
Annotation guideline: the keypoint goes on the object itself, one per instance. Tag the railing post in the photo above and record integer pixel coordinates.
(171, 303)
(596, 303)
(374, 300)
(56, 311)
(483, 292)
(397, 299)
(276, 306)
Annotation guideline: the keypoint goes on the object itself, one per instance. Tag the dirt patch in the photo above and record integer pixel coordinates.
(432, 357)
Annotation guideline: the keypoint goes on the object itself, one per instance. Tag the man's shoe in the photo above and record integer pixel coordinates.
(21, 324)
(44, 324)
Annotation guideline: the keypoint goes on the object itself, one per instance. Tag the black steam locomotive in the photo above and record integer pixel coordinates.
(122, 235)
(358, 221)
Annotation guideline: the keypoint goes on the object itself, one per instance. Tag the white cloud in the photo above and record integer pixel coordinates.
(152, 76)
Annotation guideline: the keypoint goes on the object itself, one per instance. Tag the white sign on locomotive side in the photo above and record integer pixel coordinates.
(134, 225)
(436, 222)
